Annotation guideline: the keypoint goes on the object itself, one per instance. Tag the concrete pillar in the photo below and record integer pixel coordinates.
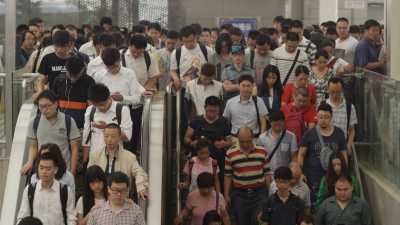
(294, 9)
(393, 33)
(328, 10)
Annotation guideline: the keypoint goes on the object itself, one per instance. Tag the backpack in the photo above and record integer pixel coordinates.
(146, 55)
(178, 55)
(91, 119)
(67, 125)
(294, 121)
(252, 56)
(63, 198)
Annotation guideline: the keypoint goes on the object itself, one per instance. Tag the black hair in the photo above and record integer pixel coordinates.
(326, 42)
(211, 216)
(226, 26)
(283, 173)
(110, 56)
(187, 31)
(48, 156)
(322, 53)
(205, 180)
(93, 173)
(58, 26)
(215, 29)
(172, 34)
(74, 65)
(223, 38)
(46, 41)
(144, 23)
(30, 220)
(119, 38)
(201, 144)
(22, 28)
(56, 152)
(164, 31)
(23, 36)
(263, 89)
(62, 38)
(139, 41)
(286, 24)
(138, 29)
(113, 126)
(118, 177)
(342, 19)
(206, 29)
(98, 93)
(98, 29)
(301, 69)
(325, 107)
(213, 101)
(331, 175)
(336, 80)
(47, 94)
(277, 115)
(331, 30)
(156, 26)
(208, 69)
(105, 20)
(236, 31)
(279, 19)
(271, 31)
(297, 24)
(246, 77)
(197, 28)
(345, 177)
(35, 20)
(253, 34)
(107, 40)
(71, 27)
(291, 36)
(263, 39)
(371, 23)
(354, 29)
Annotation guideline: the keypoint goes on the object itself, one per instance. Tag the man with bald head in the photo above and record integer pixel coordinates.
(246, 178)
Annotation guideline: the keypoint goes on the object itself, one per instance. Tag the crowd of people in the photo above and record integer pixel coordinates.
(269, 131)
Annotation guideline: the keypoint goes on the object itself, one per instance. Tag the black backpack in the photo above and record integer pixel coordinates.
(91, 118)
(146, 56)
(178, 55)
(63, 198)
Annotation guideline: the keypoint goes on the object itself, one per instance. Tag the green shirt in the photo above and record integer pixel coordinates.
(357, 212)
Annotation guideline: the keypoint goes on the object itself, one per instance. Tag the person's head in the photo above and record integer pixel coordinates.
(214, 34)
(102, 41)
(223, 44)
(205, 37)
(237, 54)
(292, 42)
(21, 28)
(297, 27)
(118, 188)
(95, 184)
(47, 103)
(236, 35)
(205, 182)
(251, 38)
(188, 37)
(207, 73)
(111, 58)
(145, 24)
(372, 29)
(337, 165)
(344, 188)
(328, 45)
(301, 76)
(245, 137)
(34, 28)
(39, 22)
(47, 167)
(30, 221)
(296, 172)
(246, 85)
(342, 28)
(99, 97)
(112, 136)
(202, 149)
(277, 23)
(324, 115)
(331, 33)
(72, 30)
(212, 218)
(212, 107)
(301, 97)
(137, 45)
(355, 31)
(321, 59)
(155, 31)
(226, 28)
(106, 24)
(28, 40)
(172, 40)
(277, 119)
(271, 79)
(282, 176)
(62, 43)
(139, 30)
(56, 28)
(263, 45)
(335, 88)
(55, 150)
(197, 28)
(75, 68)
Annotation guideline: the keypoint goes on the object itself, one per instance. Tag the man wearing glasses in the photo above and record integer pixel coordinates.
(117, 210)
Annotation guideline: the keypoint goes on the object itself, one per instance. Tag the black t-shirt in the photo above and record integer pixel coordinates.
(212, 131)
(275, 212)
(52, 66)
(312, 163)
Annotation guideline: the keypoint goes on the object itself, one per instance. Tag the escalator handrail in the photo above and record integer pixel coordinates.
(178, 149)
(357, 171)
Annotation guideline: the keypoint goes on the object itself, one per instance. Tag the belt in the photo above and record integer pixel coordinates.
(250, 190)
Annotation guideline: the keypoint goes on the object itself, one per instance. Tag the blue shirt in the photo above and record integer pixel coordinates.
(230, 73)
(367, 52)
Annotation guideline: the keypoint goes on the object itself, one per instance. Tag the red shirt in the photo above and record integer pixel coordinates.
(296, 119)
(289, 89)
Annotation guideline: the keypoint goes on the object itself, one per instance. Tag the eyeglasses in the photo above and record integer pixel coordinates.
(45, 106)
(120, 192)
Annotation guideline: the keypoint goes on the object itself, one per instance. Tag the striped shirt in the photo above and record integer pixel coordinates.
(309, 48)
(339, 118)
(248, 170)
(130, 214)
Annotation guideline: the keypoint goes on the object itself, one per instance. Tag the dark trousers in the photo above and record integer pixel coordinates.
(247, 204)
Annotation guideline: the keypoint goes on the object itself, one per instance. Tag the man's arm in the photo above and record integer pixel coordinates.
(350, 140)
(74, 154)
(33, 151)
(230, 87)
(189, 136)
(301, 155)
(71, 216)
(263, 122)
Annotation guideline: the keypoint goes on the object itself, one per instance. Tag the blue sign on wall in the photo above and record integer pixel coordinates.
(245, 24)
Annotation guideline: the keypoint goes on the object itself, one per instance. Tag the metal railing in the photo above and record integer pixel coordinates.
(178, 149)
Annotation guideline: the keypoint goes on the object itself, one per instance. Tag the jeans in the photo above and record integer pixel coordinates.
(247, 204)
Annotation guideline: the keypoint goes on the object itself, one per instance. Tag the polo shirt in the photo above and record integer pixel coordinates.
(339, 116)
(277, 212)
(248, 170)
(366, 52)
(139, 66)
(95, 65)
(289, 90)
(244, 114)
(301, 190)
(357, 212)
(230, 73)
(130, 214)
(283, 155)
(349, 46)
(56, 132)
(198, 93)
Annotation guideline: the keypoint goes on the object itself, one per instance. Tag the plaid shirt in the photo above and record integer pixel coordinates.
(340, 116)
(130, 214)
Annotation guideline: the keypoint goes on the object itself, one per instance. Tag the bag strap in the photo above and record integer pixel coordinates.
(292, 67)
(332, 63)
(123, 59)
(31, 196)
(348, 113)
(321, 140)
(308, 47)
(68, 127)
(191, 164)
(119, 113)
(35, 63)
(64, 200)
(91, 118)
(258, 114)
(203, 49)
(178, 53)
(147, 60)
(36, 123)
(252, 56)
(277, 145)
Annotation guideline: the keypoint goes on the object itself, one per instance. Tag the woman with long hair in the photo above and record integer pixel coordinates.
(270, 90)
(222, 56)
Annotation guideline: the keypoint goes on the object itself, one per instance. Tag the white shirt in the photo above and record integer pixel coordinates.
(95, 65)
(198, 93)
(97, 139)
(124, 82)
(79, 205)
(47, 205)
(88, 49)
(140, 67)
(190, 58)
(349, 46)
(47, 50)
